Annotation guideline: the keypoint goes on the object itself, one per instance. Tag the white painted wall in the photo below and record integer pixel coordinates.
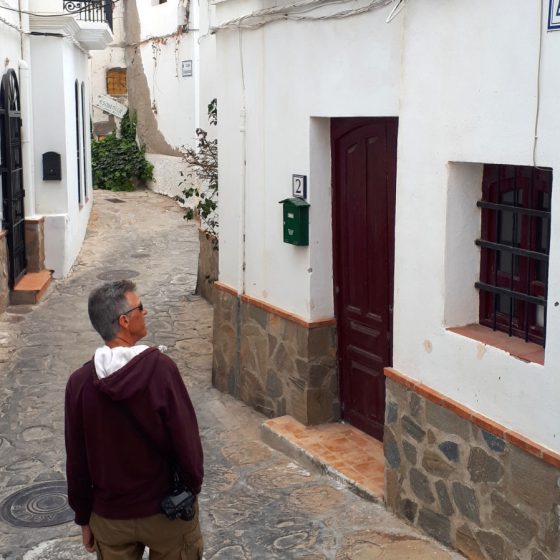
(293, 72)
(111, 57)
(173, 97)
(157, 19)
(179, 102)
(47, 68)
(478, 105)
(464, 86)
(54, 129)
(167, 174)
(206, 66)
(50, 128)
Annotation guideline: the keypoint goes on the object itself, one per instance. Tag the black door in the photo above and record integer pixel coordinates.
(364, 156)
(12, 175)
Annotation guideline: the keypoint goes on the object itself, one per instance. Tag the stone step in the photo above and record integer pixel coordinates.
(31, 288)
(338, 450)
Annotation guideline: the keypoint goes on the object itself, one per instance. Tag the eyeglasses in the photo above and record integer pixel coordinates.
(140, 307)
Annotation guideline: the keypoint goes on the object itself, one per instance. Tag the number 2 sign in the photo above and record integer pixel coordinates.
(299, 186)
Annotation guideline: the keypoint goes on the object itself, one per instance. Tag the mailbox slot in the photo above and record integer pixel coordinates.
(51, 167)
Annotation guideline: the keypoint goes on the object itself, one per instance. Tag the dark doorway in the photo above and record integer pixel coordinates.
(11, 173)
(364, 159)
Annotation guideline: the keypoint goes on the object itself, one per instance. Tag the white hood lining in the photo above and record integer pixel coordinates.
(108, 360)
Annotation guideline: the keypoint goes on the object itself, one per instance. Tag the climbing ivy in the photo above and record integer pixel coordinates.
(118, 163)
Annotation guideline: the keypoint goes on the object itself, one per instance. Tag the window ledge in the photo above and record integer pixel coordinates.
(517, 347)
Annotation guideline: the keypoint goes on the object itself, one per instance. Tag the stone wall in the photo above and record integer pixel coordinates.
(207, 265)
(35, 244)
(274, 364)
(466, 487)
(4, 289)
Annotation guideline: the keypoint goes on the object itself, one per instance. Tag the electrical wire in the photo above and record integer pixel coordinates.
(396, 11)
(539, 64)
(297, 12)
(86, 8)
(12, 25)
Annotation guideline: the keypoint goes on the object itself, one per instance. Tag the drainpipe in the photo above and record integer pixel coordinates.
(26, 111)
(195, 15)
(243, 196)
(242, 129)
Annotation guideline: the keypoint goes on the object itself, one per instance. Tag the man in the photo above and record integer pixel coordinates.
(129, 422)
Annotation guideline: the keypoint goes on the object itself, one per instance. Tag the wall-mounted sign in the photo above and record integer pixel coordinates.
(299, 186)
(186, 68)
(109, 105)
(553, 15)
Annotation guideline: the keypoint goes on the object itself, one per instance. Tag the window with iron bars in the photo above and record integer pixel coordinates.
(514, 242)
(116, 81)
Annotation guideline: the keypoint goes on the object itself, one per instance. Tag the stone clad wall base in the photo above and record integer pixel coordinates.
(35, 244)
(4, 289)
(465, 487)
(207, 265)
(273, 364)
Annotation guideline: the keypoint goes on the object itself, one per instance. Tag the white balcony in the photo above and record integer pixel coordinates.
(88, 21)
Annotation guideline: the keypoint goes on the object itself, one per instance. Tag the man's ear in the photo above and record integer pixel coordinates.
(123, 322)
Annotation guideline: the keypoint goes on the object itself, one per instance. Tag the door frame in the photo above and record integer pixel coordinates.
(10, 111)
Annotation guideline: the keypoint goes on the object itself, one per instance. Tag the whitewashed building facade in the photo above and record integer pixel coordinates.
(46, 168)
(167, 56)
(424, 307)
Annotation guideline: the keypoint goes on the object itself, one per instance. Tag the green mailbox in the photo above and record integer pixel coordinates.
(296, 221)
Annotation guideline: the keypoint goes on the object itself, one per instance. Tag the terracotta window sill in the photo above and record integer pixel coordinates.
(517, 347)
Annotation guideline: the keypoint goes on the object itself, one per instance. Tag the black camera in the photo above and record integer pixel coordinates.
(180, 504)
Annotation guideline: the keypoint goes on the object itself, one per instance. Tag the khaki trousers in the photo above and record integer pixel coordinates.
(125, 539)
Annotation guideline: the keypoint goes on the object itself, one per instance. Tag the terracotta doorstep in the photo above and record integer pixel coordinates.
(352, 454)
(33, 281)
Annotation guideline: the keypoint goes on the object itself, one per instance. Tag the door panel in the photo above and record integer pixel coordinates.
(12, 176)
(364, 171)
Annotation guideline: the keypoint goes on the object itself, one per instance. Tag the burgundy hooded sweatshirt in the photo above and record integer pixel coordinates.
(112, 469)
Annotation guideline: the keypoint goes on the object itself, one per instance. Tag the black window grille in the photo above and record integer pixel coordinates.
(514, 242)
(91, 10)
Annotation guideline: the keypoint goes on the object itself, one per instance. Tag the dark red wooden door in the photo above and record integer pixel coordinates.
(364, 156)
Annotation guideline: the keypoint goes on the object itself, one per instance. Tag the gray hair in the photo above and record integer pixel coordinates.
(106, 304)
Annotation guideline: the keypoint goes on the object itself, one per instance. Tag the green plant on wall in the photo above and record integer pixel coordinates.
(203, 163)
(118, 163)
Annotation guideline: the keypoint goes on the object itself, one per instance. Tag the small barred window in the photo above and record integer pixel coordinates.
(514, 242)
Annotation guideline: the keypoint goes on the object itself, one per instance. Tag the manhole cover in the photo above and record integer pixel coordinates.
(42, 505)
(115, 200)
(112, 275)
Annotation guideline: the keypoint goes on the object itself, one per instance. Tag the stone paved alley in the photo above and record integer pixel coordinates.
(255, 503)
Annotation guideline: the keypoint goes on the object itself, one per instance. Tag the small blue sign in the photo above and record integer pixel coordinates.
(554, 15)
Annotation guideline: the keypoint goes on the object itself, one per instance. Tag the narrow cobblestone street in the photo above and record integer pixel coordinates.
(256, 503)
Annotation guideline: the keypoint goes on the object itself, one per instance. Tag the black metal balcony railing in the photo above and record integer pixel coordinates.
(91, 10)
